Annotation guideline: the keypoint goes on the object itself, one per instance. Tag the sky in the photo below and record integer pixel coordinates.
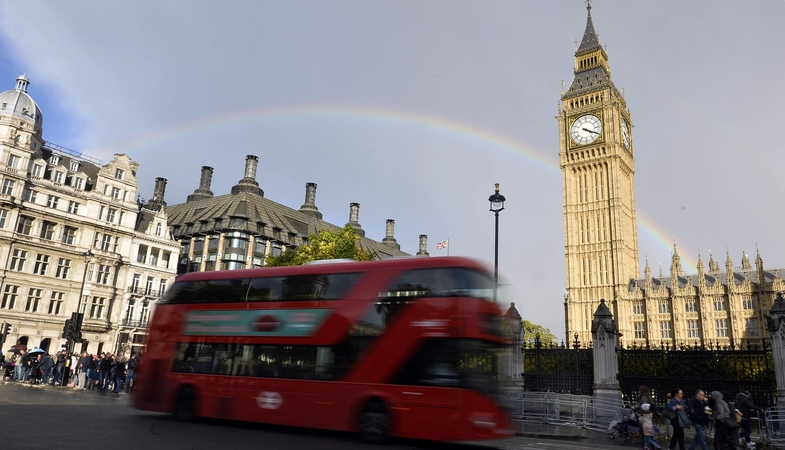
(414, 109)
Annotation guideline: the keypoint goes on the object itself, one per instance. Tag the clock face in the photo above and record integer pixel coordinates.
(625, 133)
(586, 129)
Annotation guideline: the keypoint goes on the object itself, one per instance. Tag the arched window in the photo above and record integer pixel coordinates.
(158, 229)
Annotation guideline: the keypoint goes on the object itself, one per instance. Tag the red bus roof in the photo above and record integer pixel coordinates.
(415, 262)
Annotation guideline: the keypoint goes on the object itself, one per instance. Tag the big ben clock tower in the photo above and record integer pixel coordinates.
(597, 164)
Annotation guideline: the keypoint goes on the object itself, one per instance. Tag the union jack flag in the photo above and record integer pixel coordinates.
(442, 245)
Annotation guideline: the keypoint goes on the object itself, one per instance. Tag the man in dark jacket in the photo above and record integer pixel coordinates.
(697, 412)
(60, 366)
(104, 371)
(745, 406)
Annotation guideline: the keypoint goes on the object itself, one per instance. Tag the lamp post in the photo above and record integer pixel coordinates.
(497, 205)
(70, 337)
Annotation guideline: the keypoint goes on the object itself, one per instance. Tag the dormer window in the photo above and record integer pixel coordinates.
(78, 183)
(158, 229)
(58, 178)
(4, 105)
(54, 160)
(118, 173)
(38, 171)
(74, 166)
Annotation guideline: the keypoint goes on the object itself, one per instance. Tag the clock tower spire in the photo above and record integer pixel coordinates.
(597, 164)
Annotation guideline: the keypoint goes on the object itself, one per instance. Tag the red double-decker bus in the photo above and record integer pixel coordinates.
(406, 347)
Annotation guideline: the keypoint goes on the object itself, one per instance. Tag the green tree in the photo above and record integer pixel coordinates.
(531, 330)
(343, 243)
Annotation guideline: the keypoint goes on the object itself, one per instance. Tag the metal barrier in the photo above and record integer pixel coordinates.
(773, 433)
(563, 409)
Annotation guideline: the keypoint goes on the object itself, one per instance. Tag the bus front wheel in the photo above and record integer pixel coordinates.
(185, 404)
(374, 422)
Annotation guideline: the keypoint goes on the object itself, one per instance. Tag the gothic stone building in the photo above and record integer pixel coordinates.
(69, 226)
(597, 158)
(238, 230)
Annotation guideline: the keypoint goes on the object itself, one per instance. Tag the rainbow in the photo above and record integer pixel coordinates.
(387, 116)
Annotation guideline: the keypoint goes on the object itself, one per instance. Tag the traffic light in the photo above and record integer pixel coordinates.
(67, 329)
(7, 329)
(76, 321)
(4, 332)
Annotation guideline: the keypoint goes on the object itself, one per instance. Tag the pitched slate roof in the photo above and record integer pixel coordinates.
(262, 215)
(710, 278)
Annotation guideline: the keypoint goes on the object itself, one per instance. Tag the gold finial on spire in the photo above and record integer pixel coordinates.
(588, 5)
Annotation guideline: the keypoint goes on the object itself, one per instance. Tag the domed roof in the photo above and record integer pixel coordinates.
(19, 104)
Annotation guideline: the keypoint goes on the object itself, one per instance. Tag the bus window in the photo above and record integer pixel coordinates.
(443, 282)
(207, 291)
(331, 286)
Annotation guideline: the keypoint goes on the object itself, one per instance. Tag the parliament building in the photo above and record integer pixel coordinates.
(720, 305)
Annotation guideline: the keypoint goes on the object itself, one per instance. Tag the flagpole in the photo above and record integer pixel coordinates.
(448, 246)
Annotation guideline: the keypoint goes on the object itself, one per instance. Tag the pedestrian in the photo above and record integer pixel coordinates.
(130, 368)
(47, 364)
(724, 424)
(697, 410)
(745, 406)
(81, 371)
(119, 374)
(646, 419)
(677, 406)
(104, 371)
(62, 357)
(644, 396)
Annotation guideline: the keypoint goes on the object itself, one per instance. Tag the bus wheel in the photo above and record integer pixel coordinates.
(185, 404)
(374, 423)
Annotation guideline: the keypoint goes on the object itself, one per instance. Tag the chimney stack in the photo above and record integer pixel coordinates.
(203, 191)
(389, 238)
(309, 207)
(423, 245)
(158, 195)
(249, 183)
(354, 216)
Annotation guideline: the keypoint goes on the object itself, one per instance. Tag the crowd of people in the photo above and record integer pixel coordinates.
(81, 372)
(730, 415)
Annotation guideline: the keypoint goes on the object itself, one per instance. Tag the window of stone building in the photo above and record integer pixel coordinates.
(141, 255)
(259, 245)
(3, 217)
(8, 187)
(154, 257)
(118, 173)
(38, 171)
(640, 330)
(90, 271)
(97, 307)
(135, 282)
(720, 304)
(106, 242)
(56, 303)
(54, 160)
(637, 308)
(58, 177)
(721, 325)
(167, 257)
(148, 287)
(161, 288)
(78, 183)
(129, 311)
(9, 296)
(110, 215)
(74, 166)
(748, 302)
(692, 329)
(158, 229)
(25, 225)
(69, 235)
(275, 249)
(73, 207)
(690, 305)
(663, 307)
(33, 300)
(198, 246)
(41, 264)
(63, 267)
(212, 244)
(47, 231)
(116, 193)
(18, 260)
(29, 195)
(751, 328)
(665, 330)
(209, 264)
(103, 273)
(13, 161)
(52, 201)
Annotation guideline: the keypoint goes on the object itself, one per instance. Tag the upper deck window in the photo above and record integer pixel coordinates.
(442, 282)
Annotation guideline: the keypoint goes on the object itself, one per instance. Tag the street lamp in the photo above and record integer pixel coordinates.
(88, 255)
(497, 205)
(76, 321)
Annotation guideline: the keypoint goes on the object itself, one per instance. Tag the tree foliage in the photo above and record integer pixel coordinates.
(531, 330)
(324, 245)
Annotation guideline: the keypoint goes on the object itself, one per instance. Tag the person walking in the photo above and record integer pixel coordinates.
(745, 406)
(697, 411)
(62, 357)
(130, 367)
(646, 419)
(677, 406)
(723, 429)
(104, 370)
